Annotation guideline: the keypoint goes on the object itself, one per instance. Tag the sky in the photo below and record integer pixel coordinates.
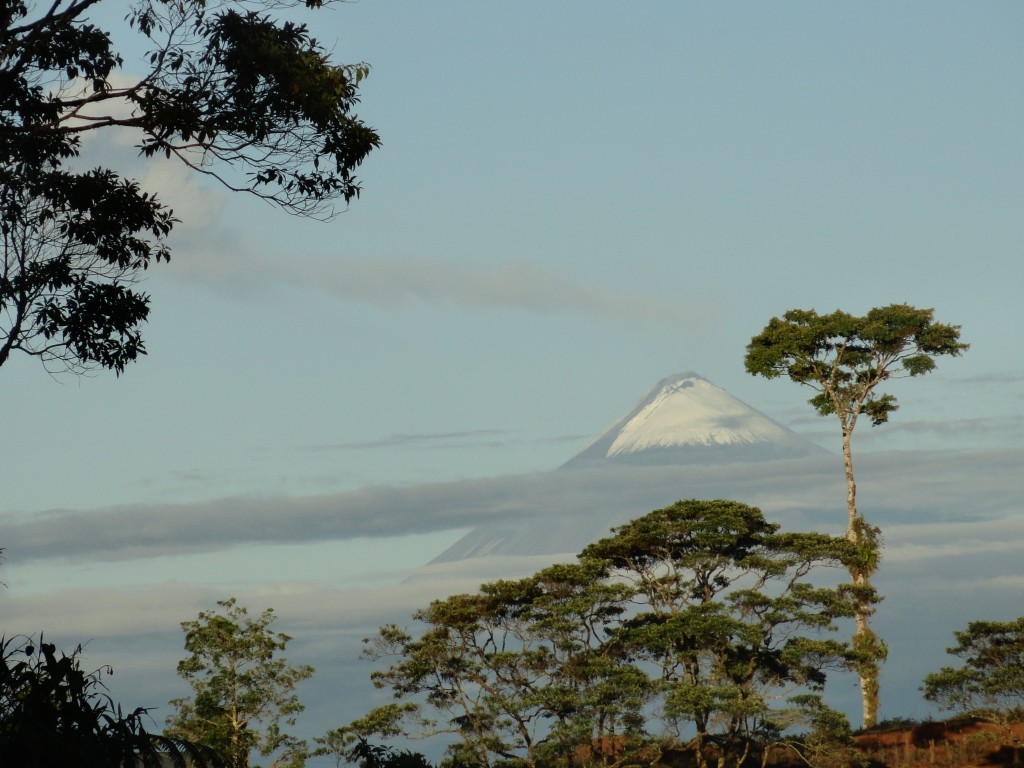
(572, 200)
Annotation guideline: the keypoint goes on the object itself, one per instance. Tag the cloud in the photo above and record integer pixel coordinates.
(135, 531)
(1005, 427)
(895, 488)
(477, 438)
(994, 377)
(425, 441)
(915, 542)
(392, 283)
(197, 203)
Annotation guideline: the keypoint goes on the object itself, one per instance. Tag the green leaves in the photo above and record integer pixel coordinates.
(993, 670)
(694, 617)
(845, 357)
(243, 689)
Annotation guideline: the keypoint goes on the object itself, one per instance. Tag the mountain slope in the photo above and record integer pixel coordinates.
(687, 438)
(687, 419)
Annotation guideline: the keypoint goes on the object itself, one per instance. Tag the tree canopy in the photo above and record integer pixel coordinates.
(992, 675)
(228, 88)
(698, 619)
(845, 359)
(243, 689)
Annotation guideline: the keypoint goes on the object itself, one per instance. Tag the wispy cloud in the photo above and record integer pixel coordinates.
(981, 425)
(993, 377)
(399, 283)
(476, 437)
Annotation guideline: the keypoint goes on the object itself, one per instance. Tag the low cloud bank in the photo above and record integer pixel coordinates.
(897, 488)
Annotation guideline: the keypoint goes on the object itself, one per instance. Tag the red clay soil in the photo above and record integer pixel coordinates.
(959, 743)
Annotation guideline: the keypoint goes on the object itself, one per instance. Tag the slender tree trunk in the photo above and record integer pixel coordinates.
(851, 488)
(863, 637)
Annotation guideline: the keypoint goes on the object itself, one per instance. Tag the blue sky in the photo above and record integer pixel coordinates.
(572, 201)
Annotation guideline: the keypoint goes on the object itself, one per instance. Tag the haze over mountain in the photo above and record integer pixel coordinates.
(685, 427)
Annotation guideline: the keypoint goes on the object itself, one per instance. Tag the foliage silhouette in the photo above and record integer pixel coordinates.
(229, 89)
(53, 713)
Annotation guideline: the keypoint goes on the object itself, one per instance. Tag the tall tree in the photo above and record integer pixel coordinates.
(845, 359)
(233, 92)
(243, 689)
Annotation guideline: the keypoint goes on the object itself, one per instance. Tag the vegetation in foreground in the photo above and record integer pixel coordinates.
(846, 359)
(698, 620)
(666, 644)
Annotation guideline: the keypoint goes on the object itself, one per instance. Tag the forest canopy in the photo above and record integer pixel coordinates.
(698, 620)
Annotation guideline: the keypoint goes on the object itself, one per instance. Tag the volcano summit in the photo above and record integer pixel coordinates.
(686, 438)
(686, 419)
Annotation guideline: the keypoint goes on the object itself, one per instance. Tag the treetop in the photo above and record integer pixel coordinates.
(844, 357)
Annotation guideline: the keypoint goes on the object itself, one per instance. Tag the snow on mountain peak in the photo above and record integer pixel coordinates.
(690, 410)
(684, 419)
(671, 442)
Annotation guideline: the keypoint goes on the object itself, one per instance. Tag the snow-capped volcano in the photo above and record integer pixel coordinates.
(686, 438)
(685, 418)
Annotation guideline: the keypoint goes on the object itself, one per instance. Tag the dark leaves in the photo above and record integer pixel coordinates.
(250, 100)
(845, 357)
(54, 713)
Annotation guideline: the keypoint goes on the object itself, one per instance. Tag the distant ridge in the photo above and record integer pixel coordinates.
(686, 419)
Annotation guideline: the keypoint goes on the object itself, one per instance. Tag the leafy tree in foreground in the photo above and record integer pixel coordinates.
(520, 671)
(727, 618)
(698, 618)
(993, 672)
(243, 690)
(68, 267)
(228, 89)
(54, 714)
(845, 359)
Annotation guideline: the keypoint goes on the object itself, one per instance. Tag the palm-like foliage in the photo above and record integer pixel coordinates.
(54, 713)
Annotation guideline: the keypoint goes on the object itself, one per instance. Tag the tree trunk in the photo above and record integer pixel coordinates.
(863, 637)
